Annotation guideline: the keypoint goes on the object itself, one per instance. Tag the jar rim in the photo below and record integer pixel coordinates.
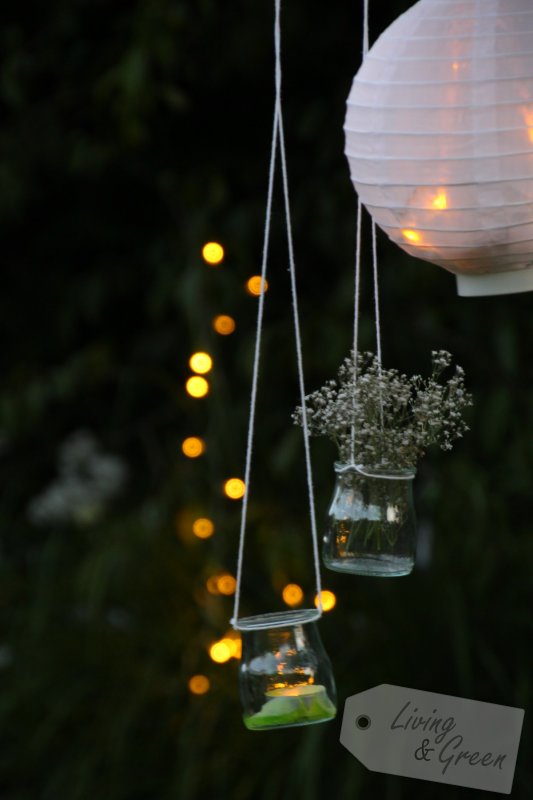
(277, 619)
(386, 473)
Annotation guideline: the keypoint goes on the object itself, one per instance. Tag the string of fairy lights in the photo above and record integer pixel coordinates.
(223, 584)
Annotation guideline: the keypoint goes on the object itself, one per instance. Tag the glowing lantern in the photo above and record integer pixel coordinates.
(439, 138)
(285, 676)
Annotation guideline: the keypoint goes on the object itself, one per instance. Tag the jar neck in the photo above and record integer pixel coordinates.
(382, 473)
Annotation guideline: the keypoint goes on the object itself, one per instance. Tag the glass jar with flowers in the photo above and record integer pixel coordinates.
(382, 422)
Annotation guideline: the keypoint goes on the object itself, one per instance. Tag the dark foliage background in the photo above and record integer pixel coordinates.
(132, 133)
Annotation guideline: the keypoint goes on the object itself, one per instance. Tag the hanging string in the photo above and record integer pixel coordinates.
(277, 134)
(356, 319)
(296, 318)
(377, 315)
(255, 369)
(366, 45)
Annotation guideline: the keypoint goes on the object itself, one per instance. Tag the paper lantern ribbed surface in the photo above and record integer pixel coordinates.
(439, 138)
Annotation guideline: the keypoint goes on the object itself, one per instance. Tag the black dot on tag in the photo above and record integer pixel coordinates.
(363, 722)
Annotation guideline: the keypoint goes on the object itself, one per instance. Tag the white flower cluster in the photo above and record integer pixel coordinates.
(390, 417)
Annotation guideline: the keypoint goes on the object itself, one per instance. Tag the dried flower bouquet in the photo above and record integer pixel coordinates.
(385, 418)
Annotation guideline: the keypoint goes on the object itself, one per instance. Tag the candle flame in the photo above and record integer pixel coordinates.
(440, 202)
(412, 236)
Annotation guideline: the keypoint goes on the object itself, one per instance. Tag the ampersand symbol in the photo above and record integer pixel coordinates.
(424, 751)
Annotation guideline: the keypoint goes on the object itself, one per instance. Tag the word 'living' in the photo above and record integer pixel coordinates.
(449, 753)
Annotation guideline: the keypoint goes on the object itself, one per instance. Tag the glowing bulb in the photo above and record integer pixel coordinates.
(199, 684)
(233, 640)
(412, 236)
(224, 324)
(192, 447)
(292, 594)
(455, 66)
(197, 386)
(226, 584)
(203, 528)
(254, 285)
(213, 253)
(233, 645)
(234, 488)
(328, 600)
(440, 202)
(212, 585)
(200, 363)
(220, 652)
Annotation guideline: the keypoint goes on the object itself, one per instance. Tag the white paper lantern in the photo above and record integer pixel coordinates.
(439, 137)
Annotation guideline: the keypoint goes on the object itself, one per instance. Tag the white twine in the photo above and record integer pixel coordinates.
(365, 28)
(406, 475)
(356, 318)
(277, 134)
(377, 319)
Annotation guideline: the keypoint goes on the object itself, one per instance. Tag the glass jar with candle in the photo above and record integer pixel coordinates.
(371, 527)
(285, 676)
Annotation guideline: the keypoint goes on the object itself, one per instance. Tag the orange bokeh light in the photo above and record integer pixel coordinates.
(226, 584)
(223, 324)
(192, 447)
(200, 363)
(220, 652)
(213, 253)
(199, 684)
(234, 488)
(197, 386)
(292, 594)
(203, 528)
(254, 285)
(329, 600)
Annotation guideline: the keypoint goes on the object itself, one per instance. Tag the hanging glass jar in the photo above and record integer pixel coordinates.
(371, 527)
(285, 675)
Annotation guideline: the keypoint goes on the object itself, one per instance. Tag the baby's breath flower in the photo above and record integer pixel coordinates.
(387, 418)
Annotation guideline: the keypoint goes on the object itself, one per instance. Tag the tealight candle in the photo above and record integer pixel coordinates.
(293, 705)
(298, 690)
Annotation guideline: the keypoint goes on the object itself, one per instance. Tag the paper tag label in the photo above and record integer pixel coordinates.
(434, 737)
